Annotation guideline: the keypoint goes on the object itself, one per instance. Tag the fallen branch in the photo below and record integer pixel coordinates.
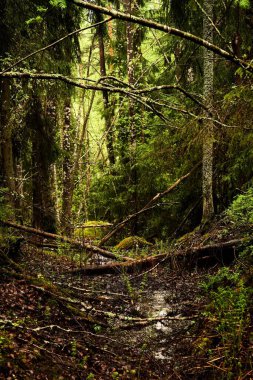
(194, 254)
(148, 321)
(73, 242)
(147, 207)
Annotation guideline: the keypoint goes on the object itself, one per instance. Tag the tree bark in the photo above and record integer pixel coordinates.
(68, 181)
(75, 243)
(42, 132)
(107, 105)
(6, 142)
(208, 132)
(218, 251)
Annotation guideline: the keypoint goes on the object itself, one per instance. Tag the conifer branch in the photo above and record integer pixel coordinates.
(166, 29)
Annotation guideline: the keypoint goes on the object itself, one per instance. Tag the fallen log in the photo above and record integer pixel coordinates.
(73, 242)
(189, 256)
(150, 205)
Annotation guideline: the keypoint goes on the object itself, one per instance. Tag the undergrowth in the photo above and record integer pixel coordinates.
(227, 337)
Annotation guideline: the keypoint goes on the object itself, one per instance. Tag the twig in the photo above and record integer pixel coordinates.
(55, 43)
(147, 206)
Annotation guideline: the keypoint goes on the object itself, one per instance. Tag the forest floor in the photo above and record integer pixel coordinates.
(138, 326)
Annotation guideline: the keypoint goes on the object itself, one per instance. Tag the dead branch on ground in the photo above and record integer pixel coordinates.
(148, 206)
(73, 242)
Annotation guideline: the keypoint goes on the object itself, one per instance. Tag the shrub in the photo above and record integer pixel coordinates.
(241, 210)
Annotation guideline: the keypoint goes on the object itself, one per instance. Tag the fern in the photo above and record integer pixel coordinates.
(241, 210)
(243, 3)
(58, 3)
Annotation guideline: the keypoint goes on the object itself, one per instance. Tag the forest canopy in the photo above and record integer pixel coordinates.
(126, 194)
(105, 105)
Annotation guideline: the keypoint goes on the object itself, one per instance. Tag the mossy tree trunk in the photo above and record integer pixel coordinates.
(107, 106)
(68, 185)
(208, 133)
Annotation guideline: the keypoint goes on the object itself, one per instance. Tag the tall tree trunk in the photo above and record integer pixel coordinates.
(131, 7)
(6, 142)
(131, 52)
(107, 106)
(44, 215)
(68, 185)
(207, 169)
(71, 162)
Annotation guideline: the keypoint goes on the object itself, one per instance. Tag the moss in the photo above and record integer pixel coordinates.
(187, 236)
(95, 231)
(132, 242)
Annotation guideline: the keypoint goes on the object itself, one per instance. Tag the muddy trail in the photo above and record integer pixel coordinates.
(138, 326)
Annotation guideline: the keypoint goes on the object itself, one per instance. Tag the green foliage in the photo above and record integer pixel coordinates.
(37, 19)
(6, 347)
(241, 210)
(92, 229)
(228, 316)
(58, 3)
(134, 292)
(91, 376)
(243, 3)
(5, 209)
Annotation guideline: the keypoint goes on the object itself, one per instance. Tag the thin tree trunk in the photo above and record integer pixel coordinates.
(68, 185)
(107, 105)
(208, 133)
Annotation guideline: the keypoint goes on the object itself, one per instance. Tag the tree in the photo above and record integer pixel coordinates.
(208, 130)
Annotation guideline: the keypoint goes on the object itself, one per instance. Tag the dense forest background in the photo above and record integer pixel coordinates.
(98, 114)
(126, 193)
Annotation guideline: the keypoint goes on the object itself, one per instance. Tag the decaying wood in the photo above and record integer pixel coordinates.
(147, 207)
(73, 242)
(191, 255)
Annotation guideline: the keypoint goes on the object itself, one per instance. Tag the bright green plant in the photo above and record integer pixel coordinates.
(134, 292)
(241, 210)
(91, 376)
(228, 314)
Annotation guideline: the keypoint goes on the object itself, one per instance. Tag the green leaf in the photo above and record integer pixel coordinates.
(34, 20)
(58, 3)
(41, 9)
(243, 3)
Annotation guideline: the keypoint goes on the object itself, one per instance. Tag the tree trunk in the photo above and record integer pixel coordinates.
(208, 133)
(6, 142)
(44, 215)
(68, 185)
(107, 105)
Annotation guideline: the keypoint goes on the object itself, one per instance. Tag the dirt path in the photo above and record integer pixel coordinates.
(141, 326)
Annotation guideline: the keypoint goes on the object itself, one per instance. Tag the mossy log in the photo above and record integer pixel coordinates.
(73, 242)
(132, 242)
(221, 252)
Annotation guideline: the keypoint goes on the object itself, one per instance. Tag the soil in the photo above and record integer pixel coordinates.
(141, 326)
(56, 325)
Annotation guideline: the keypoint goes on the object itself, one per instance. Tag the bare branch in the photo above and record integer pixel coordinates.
(148, 206)
(55, 43)
(166, 29)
